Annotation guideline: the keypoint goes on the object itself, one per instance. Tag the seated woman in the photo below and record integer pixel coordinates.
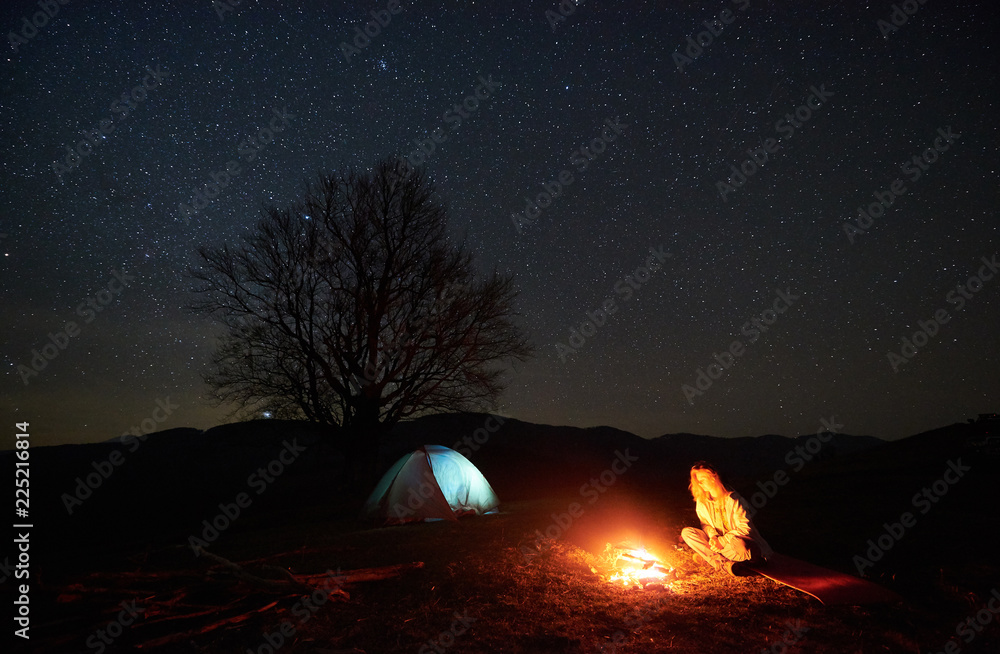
(727, 539)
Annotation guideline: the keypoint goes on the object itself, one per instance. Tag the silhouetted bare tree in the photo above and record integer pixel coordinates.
(352, 308)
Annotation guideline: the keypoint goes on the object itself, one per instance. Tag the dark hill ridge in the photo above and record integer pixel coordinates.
(176, 478)
(535, 457)
(181, 470)
(845, 501)
(140, 519)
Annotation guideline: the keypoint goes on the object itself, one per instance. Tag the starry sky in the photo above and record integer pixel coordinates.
(837, 102)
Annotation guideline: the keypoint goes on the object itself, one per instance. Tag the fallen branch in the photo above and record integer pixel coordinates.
(282, 585)
(311, 582)
(365, 574)
(172, 607)
(186, 635)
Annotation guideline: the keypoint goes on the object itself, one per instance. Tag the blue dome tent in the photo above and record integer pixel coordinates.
(430, 483)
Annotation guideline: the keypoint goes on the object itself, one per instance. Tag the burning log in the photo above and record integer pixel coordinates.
(648, 564)
(634, 566)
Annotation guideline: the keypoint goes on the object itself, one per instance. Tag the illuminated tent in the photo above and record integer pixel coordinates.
(431, 483)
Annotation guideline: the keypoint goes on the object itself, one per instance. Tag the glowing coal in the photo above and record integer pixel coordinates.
(637, 567)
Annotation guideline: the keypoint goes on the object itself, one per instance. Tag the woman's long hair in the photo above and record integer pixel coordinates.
(696, 491)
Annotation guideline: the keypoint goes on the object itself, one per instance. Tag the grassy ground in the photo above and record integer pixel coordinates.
(493, 583)
(488, 584)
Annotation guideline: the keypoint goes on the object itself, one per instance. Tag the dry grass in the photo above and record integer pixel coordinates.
(553, 601)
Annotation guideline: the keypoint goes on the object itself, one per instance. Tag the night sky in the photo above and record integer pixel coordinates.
(837, 103)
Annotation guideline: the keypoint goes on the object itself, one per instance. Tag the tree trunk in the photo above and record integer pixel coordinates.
(364, 438)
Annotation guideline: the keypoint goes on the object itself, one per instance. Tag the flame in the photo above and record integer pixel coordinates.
(636, 566)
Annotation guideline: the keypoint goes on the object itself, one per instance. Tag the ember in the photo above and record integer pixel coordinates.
(635, 566)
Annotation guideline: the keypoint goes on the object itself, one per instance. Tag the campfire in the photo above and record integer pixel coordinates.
(637, 567)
